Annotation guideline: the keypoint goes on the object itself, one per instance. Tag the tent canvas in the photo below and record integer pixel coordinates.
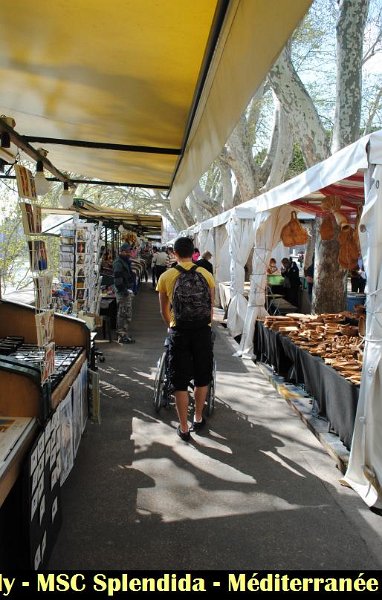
(354, 174)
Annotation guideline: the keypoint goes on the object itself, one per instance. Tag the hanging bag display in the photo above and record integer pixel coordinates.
(333, 205)
(349, 252)
(293, 233)
(327, 228)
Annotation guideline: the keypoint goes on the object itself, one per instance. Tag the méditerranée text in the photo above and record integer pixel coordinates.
(222, 581)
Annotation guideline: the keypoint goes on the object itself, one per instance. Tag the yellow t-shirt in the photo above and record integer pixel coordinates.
(166, 282)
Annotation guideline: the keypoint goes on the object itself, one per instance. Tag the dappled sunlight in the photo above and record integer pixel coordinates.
(178, 493)
(107, 369)
(135, 380)
(145, 433)
(148, 375)
(216, 435)
(109, 390)
(277, 458)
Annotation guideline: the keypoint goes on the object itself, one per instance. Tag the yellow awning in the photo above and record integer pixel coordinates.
(143, 92)
(146, 224)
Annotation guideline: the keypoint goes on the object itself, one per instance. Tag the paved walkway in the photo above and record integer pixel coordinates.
(256, 491)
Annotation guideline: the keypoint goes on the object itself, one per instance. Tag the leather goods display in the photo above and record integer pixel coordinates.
(327, 228)
(336, 338)
(332, 204)
(293, 233)
(349, 249)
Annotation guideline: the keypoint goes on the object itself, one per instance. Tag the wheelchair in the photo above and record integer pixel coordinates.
(163, 397)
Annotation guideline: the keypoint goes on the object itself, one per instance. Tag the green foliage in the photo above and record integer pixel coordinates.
(297, 164)
(14, 253)
(13, 248)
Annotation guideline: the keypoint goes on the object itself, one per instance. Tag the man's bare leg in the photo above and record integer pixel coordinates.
(181, 400)
(200, 395)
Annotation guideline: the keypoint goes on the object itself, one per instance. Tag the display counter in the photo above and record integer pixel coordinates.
(16, 438)
(41, 425)
(335, 398)
(21, 393)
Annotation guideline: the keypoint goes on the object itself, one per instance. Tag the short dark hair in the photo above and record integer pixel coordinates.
(184, 247)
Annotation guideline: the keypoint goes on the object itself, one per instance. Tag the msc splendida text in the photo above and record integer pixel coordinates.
(111, 583)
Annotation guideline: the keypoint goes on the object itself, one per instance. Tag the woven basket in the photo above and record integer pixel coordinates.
(293, 233)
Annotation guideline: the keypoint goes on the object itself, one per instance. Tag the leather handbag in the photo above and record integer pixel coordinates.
(349, 251)
(293, 233)
(327, 228)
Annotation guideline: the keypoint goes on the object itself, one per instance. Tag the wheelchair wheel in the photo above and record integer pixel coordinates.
(159, 383)
(210, 401)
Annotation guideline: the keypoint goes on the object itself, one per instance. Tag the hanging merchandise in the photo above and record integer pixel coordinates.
(333, 205)
(327, 228)
(80, 282)
(349, 248)
(25, 182)
(293, 233)
(341, 220)
(349, 252)
(39, 265)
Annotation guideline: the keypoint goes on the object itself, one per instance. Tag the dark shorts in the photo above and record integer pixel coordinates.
(190, 357)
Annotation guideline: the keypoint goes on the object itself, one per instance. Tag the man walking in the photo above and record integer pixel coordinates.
(160, 262)
(186, 299)
(204, 262)
(124, 282)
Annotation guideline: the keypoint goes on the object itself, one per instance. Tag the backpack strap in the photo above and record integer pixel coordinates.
(183, 270)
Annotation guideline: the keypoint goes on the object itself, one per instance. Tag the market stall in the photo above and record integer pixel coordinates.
(41, 424)
(333, 391)
(353, 175)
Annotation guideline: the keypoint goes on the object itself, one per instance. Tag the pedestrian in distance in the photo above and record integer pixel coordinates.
(186, 299)
(292, 282)
(204, 262)
(153, 267)
(160, 262)
(195, 255)
(124, 282)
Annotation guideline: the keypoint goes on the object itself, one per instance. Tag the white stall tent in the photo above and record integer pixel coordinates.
(353, 174)
(343, 174)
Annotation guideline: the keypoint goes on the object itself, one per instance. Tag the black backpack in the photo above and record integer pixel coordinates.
(191, 300)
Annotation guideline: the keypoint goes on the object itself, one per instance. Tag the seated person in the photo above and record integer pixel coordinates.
(272, 267)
